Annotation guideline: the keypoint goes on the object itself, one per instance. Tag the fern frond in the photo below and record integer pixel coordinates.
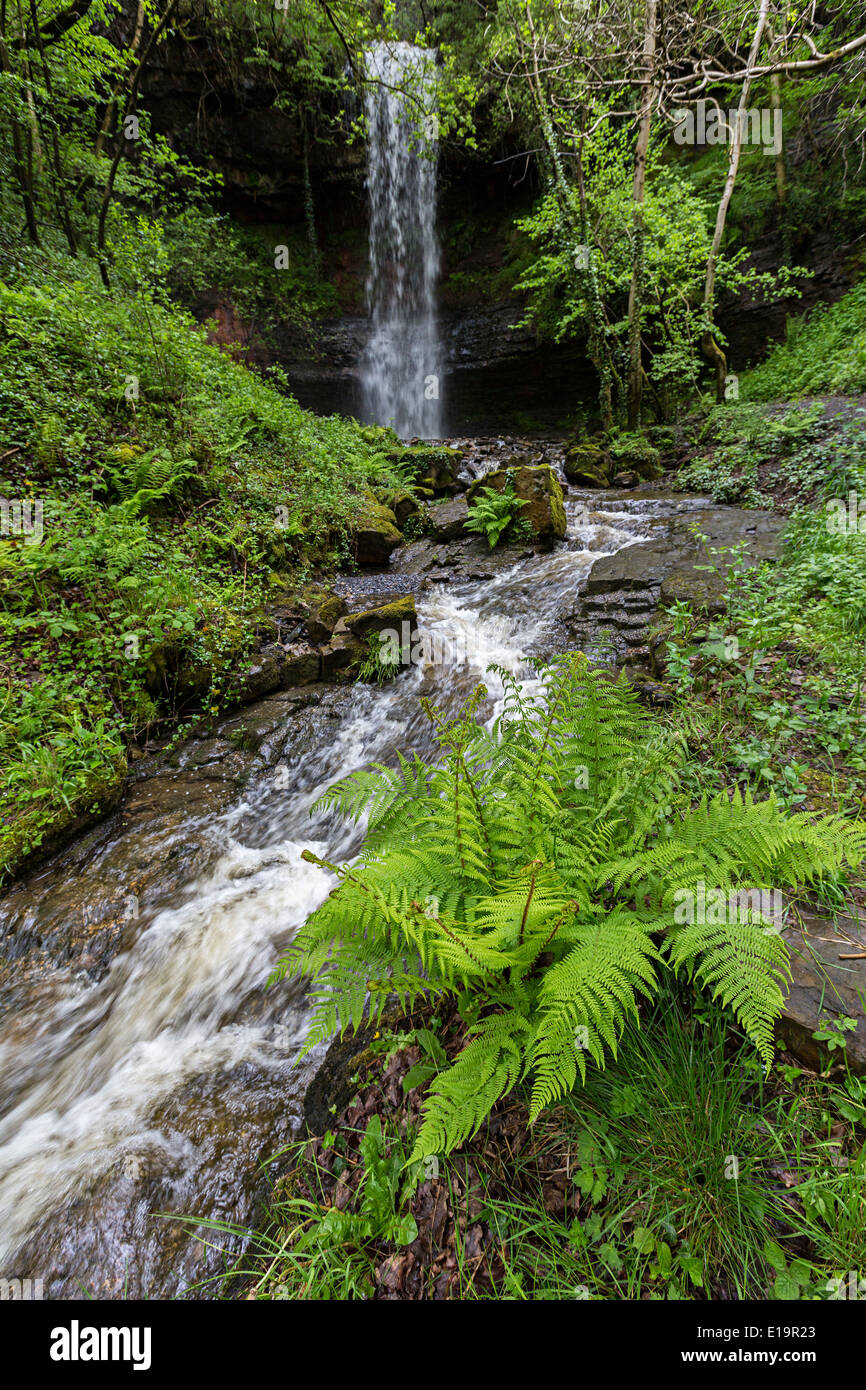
(584, 999)
(745, 964)
(461, 1097)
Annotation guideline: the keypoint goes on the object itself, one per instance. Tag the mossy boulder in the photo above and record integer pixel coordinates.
(395, 624)
(400, 501)
(387, 617)
(321, 610)
(587, 465)
(634, 453)
(537, 486)
(375, 533)
(433, 466)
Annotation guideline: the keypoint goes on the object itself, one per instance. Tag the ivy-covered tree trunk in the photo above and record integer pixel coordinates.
(711, 348)
(635, 294)
(309, 206)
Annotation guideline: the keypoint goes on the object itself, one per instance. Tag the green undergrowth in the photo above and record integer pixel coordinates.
(770, 692)
(159, 494)
(756, 455)
(679, 1172)
(824, 351)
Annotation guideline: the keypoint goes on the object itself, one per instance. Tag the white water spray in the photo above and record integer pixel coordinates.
(401, 370)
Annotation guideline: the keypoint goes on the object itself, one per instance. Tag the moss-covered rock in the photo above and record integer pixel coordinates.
(388, 616)
(400, 501)
(588, 465)
(635, 453)
(375, 534)
(395, 624)
(432, 465)
(321, 610)
(538, 486)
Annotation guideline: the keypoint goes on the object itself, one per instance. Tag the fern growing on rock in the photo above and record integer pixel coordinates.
(493, 512)
(532, 872)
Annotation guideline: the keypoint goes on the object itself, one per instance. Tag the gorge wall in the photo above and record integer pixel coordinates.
(228, 116)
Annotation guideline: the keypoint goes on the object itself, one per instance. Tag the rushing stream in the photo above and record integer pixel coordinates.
(160, 1085)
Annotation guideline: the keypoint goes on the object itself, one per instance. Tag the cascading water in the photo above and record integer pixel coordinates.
(160, 1086)
(401, 370)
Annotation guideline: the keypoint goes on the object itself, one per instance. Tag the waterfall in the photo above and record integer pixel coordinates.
(401, 373)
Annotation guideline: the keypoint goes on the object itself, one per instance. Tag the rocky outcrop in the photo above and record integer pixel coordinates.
(375, 534)
(321, 610)
(828, 969)
(446, 521)
(622, 596)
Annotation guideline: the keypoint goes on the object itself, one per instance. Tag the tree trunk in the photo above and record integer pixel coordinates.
(59, 188)
(781, 170)
(635, 294)
(710, 347)
(597, 337)
(19, 158)
(118, 154)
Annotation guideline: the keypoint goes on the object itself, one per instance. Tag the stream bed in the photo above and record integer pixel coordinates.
(145, 1073)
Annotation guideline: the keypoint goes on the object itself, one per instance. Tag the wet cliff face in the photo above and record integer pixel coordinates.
(233, 118)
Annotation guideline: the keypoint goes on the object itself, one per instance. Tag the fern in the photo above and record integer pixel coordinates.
(534, 871)
(493, 512)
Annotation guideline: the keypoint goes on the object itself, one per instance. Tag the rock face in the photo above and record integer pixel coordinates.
(624, 591)
(825, 985)
(446, 522)
(648, 566)
(539, 487)
(375, 534)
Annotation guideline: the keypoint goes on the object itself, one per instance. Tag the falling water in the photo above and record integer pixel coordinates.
(401, 372)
